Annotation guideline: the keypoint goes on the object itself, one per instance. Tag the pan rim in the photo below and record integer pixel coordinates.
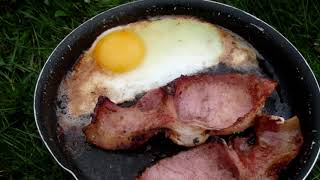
(140, 1)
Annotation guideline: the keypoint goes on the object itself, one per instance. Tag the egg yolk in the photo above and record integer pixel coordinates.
(119, 51)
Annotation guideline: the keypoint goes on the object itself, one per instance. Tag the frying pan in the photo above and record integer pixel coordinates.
(297, 83)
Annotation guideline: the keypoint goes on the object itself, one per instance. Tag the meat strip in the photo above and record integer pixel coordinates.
(200, 105)
(114, 127)
(216, 102)
(276, 144)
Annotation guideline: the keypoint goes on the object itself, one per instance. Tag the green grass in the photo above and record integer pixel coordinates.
(31, 29)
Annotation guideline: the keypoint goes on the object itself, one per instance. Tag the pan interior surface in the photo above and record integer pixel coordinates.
(282, 62)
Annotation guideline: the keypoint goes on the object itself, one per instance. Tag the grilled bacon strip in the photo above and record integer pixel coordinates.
(199, 105)
(276, 144)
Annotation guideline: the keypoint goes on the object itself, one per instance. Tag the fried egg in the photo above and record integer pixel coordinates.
(128, 60)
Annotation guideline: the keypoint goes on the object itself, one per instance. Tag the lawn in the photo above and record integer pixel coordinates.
(31, 29)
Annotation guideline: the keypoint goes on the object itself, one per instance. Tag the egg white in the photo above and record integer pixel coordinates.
(174, 47)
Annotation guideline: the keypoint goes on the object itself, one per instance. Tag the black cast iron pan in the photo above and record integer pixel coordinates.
(298, 88)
